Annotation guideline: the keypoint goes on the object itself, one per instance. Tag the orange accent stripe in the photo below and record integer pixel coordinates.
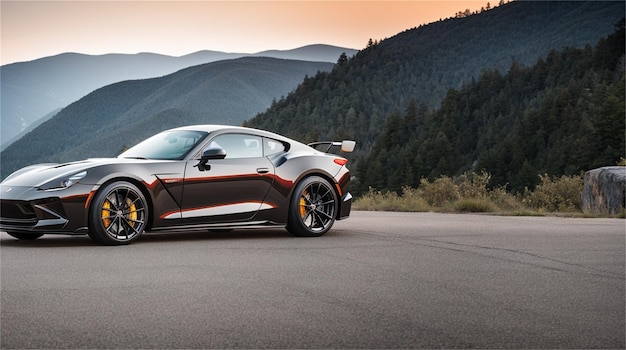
(89, 198)
(219, 178)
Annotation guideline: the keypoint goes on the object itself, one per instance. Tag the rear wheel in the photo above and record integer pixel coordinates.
(25, 235)
(313, 208)
(118, 214)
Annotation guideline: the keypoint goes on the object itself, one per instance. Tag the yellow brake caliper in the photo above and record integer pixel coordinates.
(303, 206)
(132, 212)
(106, 213)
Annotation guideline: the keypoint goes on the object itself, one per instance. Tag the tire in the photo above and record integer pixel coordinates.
(27, 236)
(118, 214)
(313, 208)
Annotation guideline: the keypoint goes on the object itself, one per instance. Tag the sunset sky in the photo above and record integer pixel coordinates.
(35, 29)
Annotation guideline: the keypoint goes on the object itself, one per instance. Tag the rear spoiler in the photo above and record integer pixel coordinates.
(346, 145)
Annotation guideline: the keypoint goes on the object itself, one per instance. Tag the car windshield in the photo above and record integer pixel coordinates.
(168, 145)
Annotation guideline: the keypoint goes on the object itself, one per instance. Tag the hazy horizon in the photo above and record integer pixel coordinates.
(36, 29)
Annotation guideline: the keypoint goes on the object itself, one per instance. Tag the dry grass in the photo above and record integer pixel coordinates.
(470, 192)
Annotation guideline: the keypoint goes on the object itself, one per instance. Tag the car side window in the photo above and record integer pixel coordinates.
(272, 146)
(239, 145)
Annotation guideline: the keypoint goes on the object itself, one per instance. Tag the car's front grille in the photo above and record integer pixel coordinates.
(17, 214)
(16, 210)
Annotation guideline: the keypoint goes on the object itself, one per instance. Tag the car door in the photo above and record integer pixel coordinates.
(230, 189)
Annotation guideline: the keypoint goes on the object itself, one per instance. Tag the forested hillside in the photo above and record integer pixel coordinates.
(422, 64)
(563, 115)
(119, 115)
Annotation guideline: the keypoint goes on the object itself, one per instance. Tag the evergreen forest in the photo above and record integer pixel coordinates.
(560, 116)
(452, 97)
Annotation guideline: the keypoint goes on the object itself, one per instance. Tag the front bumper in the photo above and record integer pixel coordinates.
(38, 215)
(24, 209)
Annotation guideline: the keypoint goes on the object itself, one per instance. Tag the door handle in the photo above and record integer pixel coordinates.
(262, 170)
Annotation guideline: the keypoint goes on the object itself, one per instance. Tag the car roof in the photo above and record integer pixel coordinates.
(217, 127)
(207, 127)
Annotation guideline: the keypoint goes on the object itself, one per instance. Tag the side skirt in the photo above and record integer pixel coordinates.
(252, 224)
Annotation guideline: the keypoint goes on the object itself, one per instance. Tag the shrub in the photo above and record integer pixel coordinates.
(562, 194)
(504, 200)
(470, 193)
(439, 192)
(473, 185)
(474, 205)
(375, 200)
(412, 201)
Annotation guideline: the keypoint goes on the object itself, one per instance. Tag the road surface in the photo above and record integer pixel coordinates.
(377, 280)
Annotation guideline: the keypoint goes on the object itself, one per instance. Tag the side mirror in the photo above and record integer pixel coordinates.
(348, 146)
(213, 153)
(210, 154)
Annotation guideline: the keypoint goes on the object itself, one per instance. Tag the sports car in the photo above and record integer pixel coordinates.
(203, 177)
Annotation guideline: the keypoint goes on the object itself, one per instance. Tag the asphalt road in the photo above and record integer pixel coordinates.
(377, 280)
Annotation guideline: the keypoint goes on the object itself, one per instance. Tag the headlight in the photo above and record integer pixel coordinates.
(73, 179)
(64, 182)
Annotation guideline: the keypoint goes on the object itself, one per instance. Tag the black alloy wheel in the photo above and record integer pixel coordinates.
(313, 208)
(118, 214)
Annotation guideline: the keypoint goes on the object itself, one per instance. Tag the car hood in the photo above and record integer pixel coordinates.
(39, 174)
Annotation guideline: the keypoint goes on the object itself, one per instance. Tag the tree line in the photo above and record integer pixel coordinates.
(562, 115)
(422, 63)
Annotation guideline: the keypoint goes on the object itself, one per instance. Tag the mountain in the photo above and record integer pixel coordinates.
(30, 90)
(560, 116)
(359, 94)
(423, 63)
(119, 115)
(317, 53)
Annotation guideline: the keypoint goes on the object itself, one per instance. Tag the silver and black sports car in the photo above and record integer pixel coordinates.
(211, 177)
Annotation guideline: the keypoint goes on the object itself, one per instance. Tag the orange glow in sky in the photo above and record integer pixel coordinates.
(34, 29)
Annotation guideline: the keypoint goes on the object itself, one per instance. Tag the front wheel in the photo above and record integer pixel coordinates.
(313, 208)
(118, 214)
